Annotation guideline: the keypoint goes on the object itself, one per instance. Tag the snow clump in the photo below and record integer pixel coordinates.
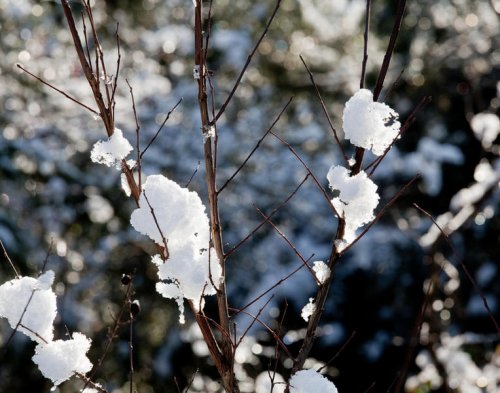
(35, 299)
(368, 124)
(357, 199)
(59, 360)
(112, 151)
(310, 381)
(308, 310)
(321, 270)
(174, 216)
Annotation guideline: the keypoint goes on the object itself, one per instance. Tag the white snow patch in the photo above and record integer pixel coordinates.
(39, 316)
(357, 198)
(308, 310)
(322, 271)
(368, 124)
(112, 151)
(310, 381)
(181, 219)
(59, 360)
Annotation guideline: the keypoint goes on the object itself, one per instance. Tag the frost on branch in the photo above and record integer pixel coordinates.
(310, 381)
(357, 199)
(112, 151)
(180, 216)
(368, 124)
(41, 311)
(59, 360)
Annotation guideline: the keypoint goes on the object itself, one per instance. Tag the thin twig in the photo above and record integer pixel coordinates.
(165, 254)
(292, 246)
(256, 146)
(381, 213)
(137, 136)
(278, 283)
(275, 336)
(253, 322)
(344, 346)
(9, 260)
(249, 59)
(58, 90)
(390, 49)
(159, 129)
(365, 48)
(274, 211)
(193, 174)
(465, 269)
(318, 184)
(325, 111)
(406, 125)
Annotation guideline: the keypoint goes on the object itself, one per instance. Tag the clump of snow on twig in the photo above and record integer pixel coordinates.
(357, 199)
(59, 360)
(172, 214)
(112, 151)
(37, 321)
(368, 124)
(308, 310)
(310, 381)
(321, 270)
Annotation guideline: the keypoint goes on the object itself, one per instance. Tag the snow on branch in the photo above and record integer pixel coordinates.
(112, 151)
(357, 199)
(306, 381)
(191, 270)
(59, 360)
(30, 306)
(368, 124)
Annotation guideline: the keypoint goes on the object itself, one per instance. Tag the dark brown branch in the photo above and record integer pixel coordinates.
(464, 268)
(325, 111)
(381, 213)
(318, 184)
(406, 125)
(159, 129)
(365, 47)
(58, 90)
(253, 322)
(165, 254)
(274, 211)
(137, 134)
(249, 59)
(256, 146)
(390, 49)
(290, 244)
(9, 260)
(275, 336)
(278, 283)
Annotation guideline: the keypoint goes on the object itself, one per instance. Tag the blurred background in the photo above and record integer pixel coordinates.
(50, 191)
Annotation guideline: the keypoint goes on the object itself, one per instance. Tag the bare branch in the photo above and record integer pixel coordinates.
(365, 48)
(292, 246)
(318, 184)
(465, 269)
(249, 59)
(325, 111)
(159, 129)
(390, 49)
(58, 90)
(275, 210)
(381, 213)
(256, 146)
(9, 260)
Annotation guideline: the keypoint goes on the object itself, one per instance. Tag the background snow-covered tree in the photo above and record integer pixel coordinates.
(51, 191)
